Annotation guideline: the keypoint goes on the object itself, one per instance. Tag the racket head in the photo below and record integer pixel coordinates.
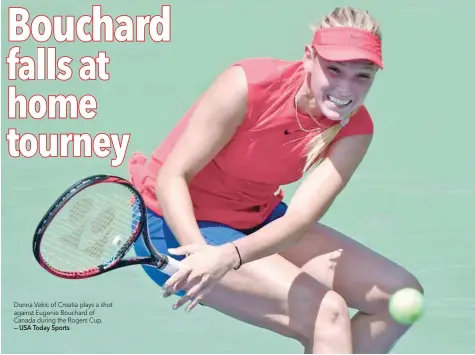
(76, 237)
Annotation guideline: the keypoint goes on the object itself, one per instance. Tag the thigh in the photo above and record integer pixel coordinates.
(271, 293)
(364, 278)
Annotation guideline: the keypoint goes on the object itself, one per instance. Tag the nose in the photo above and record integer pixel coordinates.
(344, 88)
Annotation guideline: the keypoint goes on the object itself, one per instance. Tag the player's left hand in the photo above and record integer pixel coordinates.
(204, 266)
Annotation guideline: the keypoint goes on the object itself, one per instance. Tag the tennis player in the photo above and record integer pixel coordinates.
(212, 189)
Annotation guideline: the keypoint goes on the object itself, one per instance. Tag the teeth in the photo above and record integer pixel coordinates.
(338, 101)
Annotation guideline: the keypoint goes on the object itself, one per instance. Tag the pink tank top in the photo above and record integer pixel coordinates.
(241, 184)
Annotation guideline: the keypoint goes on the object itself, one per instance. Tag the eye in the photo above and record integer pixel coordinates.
(334, 69)
(364, 76)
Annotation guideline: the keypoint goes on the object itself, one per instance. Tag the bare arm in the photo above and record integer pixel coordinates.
(310, 202)
(214, 122)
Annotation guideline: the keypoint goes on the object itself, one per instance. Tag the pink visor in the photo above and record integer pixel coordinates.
(348, 43)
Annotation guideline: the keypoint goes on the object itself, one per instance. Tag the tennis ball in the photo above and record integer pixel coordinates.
(117, 241)
(406, 306)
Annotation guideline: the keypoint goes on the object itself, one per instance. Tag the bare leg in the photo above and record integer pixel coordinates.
(362, 277)
(273, 293)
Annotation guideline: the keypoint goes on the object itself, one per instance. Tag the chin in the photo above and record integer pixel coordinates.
(332, 114)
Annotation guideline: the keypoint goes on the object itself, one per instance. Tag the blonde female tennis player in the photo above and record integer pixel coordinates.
(212, 190)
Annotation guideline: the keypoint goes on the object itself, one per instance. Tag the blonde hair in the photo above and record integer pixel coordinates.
(339, 17)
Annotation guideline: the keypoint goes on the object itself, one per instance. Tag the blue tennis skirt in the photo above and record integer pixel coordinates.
(214, 234)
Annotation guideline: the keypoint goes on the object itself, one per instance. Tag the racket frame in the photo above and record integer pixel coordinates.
(118, 261)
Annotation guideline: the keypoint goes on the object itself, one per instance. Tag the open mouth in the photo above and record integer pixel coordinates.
(340, 103)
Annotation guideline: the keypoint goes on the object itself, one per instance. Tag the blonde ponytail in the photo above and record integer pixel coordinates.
(320, 142)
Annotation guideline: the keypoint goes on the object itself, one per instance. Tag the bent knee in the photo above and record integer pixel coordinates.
(333, 307)
(378, 297)
(331, 313)
(414, 282)
(403, 279)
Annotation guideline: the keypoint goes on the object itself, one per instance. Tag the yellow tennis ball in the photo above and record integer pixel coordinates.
(406, 306)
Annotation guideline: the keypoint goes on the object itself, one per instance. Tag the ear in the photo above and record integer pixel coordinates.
(309, 58)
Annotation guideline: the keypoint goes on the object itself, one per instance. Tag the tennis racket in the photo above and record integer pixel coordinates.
(91, 227)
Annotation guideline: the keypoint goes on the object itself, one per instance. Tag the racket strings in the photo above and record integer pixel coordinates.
(90, 229)
(61, 255)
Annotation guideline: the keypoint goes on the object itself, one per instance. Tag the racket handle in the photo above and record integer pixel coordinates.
(172, 266)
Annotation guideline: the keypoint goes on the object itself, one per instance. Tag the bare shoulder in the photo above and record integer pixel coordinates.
(225, 101)
(346, 154)
(232, 80)
(353, 145)
(215, 119)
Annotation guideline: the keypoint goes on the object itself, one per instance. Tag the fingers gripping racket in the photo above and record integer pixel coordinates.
(91, 227)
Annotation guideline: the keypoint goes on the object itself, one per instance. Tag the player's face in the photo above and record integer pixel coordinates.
(340, 88)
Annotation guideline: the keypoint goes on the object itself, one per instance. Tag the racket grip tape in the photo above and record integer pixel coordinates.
(172, 267)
